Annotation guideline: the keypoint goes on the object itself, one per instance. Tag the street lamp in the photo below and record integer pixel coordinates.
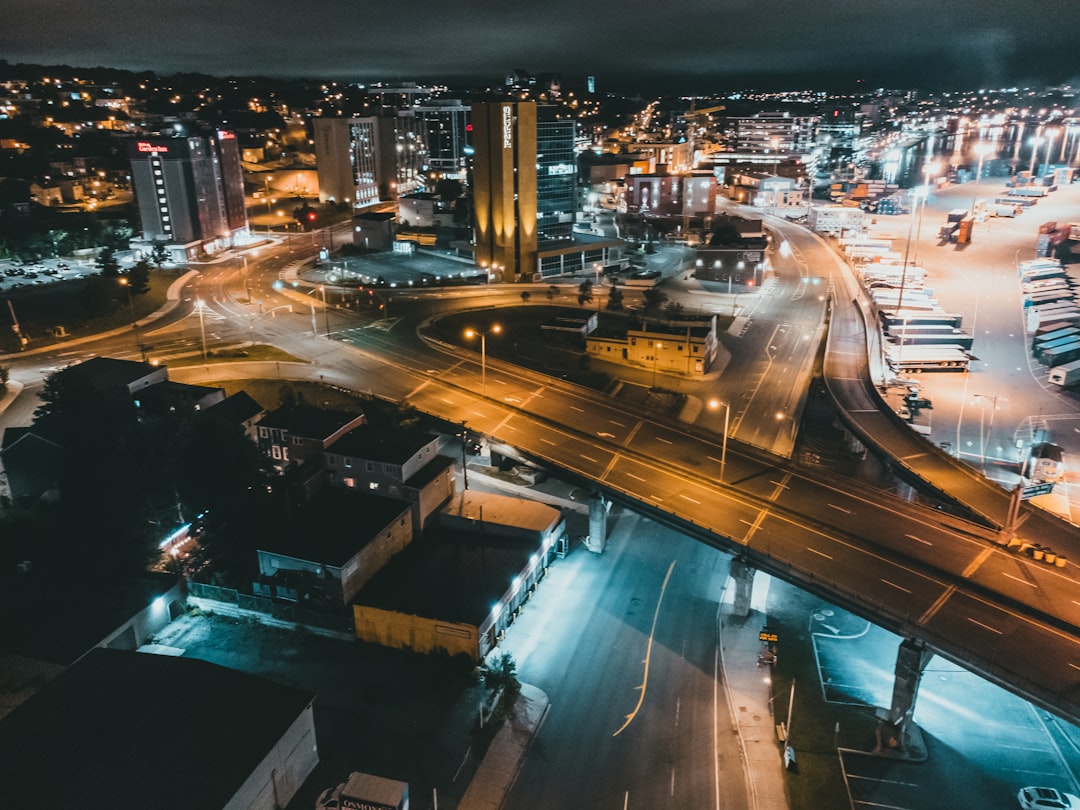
(1049, 145)
(713, 405)
(981, 150)
(982, 434)
(266, 191)
(326, 309)
(200, 306)
(483, 333)
(656, 347)
(928, 170)
(1035, 142)
(126, 284)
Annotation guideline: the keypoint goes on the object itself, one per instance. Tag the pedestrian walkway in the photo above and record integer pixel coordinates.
(749, 686)
(499, 768)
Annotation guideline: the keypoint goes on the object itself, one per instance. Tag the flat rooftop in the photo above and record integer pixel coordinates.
(503, 510)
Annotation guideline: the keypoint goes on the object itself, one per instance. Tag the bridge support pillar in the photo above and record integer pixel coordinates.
(743, 575)
(598, 514)
(911, 660)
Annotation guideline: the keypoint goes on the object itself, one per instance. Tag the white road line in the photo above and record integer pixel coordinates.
(620, 424)
(575, 408)
(635, 477)
(710, 458)
(590, 458)
(884, 781)
(1022, 581)
(840, 509)
(919, 540)
(898, 587)
(665, 441)
(1074, 666)
(688, 498)
(779, 484)
(821, 553)
(986, 626)
(447, 401)
(547, 441)
(747, 522)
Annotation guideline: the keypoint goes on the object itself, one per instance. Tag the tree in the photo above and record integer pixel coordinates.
(107, 263)
(585, 292)
(139, 277)
(615, 299)
(159, 255)
(552, 292)
(652, 300)
(673, 311)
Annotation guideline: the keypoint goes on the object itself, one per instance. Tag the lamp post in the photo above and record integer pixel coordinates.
(483, 333)
(266, 190)
(928, 170)
(1035, 142)
(126, 284)
(981, 150)
(1049, 145)
(993, 400)
(326, 309)
(714, 404)
(202, 326)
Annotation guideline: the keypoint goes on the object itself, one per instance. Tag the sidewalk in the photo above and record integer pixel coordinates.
(748, 687)
(499, 768)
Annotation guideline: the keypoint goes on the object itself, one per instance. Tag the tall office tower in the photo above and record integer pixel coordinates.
(443, 124)
(556, 181)
(504, 187)
(189, 190)
(368, 159)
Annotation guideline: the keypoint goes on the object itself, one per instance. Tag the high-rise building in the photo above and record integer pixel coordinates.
(189, 190)
(774, 132)
(504, 187)
(524, 184)
(444, 124)
(371, 158)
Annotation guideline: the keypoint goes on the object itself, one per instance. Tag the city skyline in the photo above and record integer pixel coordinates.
(842, 45)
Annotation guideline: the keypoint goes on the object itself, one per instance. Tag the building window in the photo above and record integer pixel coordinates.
(370, 467)
(275, 451)
(262, 433)
(348, 463)
(373, 485)
(350, 482)
(297, 440)
(284, 453)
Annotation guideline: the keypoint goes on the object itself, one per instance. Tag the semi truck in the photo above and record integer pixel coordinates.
(362, 791)
(1067, 374)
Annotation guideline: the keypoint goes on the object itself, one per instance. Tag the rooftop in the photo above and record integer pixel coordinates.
(308, 421)
(334, 526)
(238, 408)
(379, 444)
(106, 733)
(503, 510)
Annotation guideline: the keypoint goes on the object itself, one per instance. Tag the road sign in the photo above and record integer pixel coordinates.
(1031, 491)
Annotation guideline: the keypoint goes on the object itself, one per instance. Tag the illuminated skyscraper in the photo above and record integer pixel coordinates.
(189, 190)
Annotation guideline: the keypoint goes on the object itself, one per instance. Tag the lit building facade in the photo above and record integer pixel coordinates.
(189, 191)
(775, 132)
(443, 124)
(504, 187)
(367, 159)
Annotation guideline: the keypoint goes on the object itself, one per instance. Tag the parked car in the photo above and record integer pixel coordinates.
(1044, 798)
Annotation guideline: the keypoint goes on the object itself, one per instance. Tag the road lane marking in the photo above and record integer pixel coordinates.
(635, 477)
(665, 441)
(985, 626)
(919, 540)
(898, 587)
(1022, 581)
(648, 653)
(688, 498)
(575, 408)
(618, 424)
(840, 509)
(779, 484)
(590, 458)
(821, 553)
(939, 603)
(977, 562)
(447, 401)
(1074, 666)
(548, 441)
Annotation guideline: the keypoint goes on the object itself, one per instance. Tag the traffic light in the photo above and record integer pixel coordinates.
(311, 216)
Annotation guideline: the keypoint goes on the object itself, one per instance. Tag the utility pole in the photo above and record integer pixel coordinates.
(464, 455)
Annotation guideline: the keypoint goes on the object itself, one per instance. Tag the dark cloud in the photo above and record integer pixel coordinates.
(958, 43)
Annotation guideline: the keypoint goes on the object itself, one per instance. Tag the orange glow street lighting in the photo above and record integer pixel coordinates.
(483, 333)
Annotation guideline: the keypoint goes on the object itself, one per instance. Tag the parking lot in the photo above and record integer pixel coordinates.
(15, 275)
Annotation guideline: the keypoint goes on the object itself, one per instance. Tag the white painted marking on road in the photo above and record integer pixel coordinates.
(840, 509)
(547, 441)
(590, 458)
(575, 408)
(747, 522)
(821, 553)
(1022, 581)
(635, 477)
(919, 540)
(604, 435)
(710, 458)
(1074, 666)
(620, 424)
(883, 781)
(447, 401)
(779, 484)
(985, 626)
(665, 441)
(898, 587)
(688, 498)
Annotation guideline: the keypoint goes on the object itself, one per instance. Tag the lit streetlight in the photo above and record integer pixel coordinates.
(126, 284)
(1049, 145)
(981, 150)
(929, 170)
(656, 347)
(713, 405)
(200, 306)
(483, 333)
(1035, 142)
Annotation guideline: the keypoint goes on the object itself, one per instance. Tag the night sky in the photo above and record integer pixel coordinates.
(686, 45)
